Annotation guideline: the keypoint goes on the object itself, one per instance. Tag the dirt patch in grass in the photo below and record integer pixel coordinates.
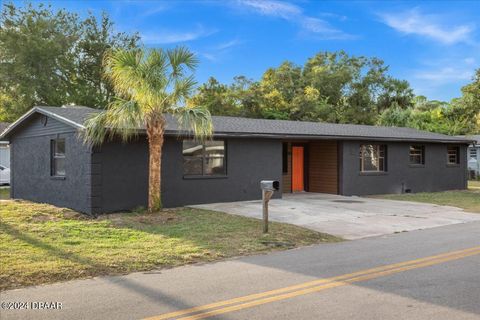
(142, 217)
(43, 244)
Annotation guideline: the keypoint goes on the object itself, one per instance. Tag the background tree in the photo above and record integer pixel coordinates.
(52, 57)
(148, 85)
(331, 86)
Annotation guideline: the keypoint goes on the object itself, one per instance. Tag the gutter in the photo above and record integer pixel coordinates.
(314, 137)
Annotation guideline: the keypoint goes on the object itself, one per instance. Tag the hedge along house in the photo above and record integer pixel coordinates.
(51, 164)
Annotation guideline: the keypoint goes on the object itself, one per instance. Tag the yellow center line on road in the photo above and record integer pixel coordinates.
(314, 286)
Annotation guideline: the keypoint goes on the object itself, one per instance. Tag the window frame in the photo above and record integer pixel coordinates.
(54, 157)
(203, 175)
(457, 155)
(470, 153)
(422, 156)
(384, 158)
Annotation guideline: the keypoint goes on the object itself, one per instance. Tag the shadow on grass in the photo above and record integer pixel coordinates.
(154, 295)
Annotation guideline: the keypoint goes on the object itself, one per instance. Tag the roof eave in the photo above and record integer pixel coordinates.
(11, 127)
(315, 137)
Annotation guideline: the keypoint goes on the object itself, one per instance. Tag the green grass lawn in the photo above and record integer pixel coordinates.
(474, 184)
(466, 199)
(4, 193)
(42, 244)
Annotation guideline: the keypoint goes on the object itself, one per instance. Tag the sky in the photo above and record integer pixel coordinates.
(434, 45)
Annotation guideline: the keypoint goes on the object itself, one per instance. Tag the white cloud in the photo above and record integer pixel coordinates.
(220, 51)
(445, 74)
(470, 61)
(430, 26)
(228, 44)
(294, 13)
(323, 28)
(157, 8)
(168, 36)
(273, 8)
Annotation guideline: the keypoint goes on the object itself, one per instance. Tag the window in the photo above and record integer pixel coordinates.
(417, 155)
(58, 158)
(204, 159)
(372, 158)
(453, 155)
(285, 157)
(473, 153)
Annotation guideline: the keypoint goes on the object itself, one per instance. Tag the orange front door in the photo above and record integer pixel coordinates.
(297, 169)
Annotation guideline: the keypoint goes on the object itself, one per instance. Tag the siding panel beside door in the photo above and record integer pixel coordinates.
(323, 167)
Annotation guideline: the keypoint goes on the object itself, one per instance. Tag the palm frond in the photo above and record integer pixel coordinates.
(122, 67)
(182, 88)
(122, 119)
(179, 58)
(195, 120)
(95, 129)
(148, 83)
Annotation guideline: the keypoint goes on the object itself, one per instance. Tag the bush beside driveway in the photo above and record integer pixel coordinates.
(43, 244)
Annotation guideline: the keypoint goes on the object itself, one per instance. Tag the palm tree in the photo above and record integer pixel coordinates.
(148, 85)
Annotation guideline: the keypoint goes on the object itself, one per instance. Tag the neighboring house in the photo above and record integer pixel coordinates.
(51, 164)
(4, 150)
(474, 154)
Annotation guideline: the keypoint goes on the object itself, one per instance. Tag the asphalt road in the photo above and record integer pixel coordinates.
(426, 274)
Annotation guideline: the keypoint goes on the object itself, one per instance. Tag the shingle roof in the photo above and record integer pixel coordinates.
(475, 138)
(77, 114)
(265, 127)
(245, 127)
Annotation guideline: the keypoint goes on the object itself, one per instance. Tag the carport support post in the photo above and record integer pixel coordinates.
(266, 195)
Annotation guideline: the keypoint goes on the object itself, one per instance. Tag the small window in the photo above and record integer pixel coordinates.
(372, 158)
(58, 157)
(204, 159)
(473, 153)
(285, 157)
(453, 155)
(417, 155)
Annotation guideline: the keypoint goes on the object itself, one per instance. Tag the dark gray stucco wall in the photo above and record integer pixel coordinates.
(120, 176)
(248, 162)
(435, 175)
(122, 169)
(30, 160)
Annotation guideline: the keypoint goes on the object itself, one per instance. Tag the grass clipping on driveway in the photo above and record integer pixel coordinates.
(42, 244)
(468, 200)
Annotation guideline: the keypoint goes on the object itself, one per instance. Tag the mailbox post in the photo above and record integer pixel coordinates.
(268, 188)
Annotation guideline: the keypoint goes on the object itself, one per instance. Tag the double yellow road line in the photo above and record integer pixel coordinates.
(253, 300)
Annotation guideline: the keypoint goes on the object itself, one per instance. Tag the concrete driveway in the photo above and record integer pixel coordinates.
(349, 217)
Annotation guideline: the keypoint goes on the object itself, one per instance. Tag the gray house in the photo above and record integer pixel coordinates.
(51, 164)
(473, 154)
(4, 150)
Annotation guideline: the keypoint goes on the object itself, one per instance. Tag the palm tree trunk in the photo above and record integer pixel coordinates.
(155, 131)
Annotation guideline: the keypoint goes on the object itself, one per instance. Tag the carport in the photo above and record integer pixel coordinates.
(349, 217)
